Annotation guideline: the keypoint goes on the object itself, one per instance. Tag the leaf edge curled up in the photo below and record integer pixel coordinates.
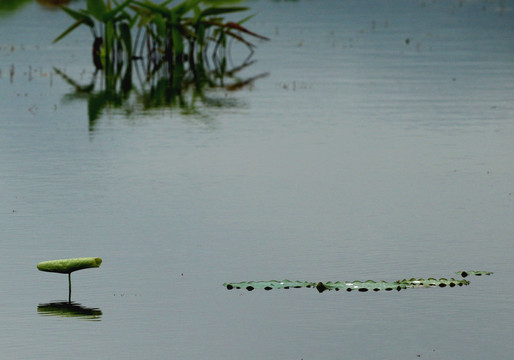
(67, 266)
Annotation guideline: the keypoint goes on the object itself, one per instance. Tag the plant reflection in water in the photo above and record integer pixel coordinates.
(67, 309)
(177, 53)
(183, 87)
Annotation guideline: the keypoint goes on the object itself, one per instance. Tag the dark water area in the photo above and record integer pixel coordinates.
(378, 145)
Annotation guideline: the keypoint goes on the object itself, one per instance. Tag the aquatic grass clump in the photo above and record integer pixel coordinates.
(170, 47)
(67, 266)
(157, 34)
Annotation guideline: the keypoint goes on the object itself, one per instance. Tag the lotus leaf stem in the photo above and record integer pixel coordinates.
(67, 266)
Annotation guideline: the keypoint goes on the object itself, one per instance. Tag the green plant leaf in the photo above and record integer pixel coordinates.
(475, 273)
(160, 25)
(235, 26)
(79, 16)
(221, 2)
(184, 7)
(68, 30)
(221, 10)
(155, 8)
(178, 41)
(126, 38)
(109, 15)
(109, 45)
(97, 8)
(200, 34)
(242, 21)
(67, 266)
(166, 2)
(363, 286)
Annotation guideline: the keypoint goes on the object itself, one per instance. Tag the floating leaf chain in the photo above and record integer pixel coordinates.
(358, 285)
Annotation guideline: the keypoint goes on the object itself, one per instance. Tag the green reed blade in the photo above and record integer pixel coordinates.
(154, 8)
(221, 2)
(221, 10)
(77, 15)
(126, 38)
(109, 15)
(160, 25)
(97, 8)
(68, 30)
(184, 7)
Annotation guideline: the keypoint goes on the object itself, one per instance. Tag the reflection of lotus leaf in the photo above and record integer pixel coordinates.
(67, 309)
(357, 285)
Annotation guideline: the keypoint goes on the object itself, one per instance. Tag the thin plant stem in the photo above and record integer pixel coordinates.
(69, 288)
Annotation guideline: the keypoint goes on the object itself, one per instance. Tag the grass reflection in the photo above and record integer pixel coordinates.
(135, 90)
(150, 55)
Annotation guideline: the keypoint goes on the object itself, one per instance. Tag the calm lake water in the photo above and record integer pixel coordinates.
(379, 146)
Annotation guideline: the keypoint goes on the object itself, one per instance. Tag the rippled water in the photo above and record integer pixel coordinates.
(378, 147)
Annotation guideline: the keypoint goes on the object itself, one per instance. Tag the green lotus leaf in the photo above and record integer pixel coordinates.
(67, 266)
(474, 273)
(268, 285)
(362, 286)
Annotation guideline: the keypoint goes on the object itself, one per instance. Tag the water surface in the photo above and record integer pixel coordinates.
(378, 147)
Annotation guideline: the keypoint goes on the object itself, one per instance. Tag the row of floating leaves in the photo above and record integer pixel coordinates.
(363, 286)
(474, 273)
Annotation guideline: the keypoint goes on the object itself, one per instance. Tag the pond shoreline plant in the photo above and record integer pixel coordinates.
(159, 34)
(170, 48)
